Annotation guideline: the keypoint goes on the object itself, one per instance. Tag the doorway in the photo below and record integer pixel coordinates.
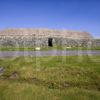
(50, 44)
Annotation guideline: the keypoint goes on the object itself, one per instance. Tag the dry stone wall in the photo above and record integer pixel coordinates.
(39, 37)
(31, 42)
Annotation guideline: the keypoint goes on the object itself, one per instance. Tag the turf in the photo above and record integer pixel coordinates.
(47, 48)
(50, 78)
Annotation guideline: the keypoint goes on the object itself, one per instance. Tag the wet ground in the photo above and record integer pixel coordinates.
(49, 53)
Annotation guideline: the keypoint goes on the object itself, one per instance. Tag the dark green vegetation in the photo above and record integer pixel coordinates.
(48, 48)
(50, 78)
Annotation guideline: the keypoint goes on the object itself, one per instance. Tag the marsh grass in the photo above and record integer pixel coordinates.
(57, 78)
(45, 48)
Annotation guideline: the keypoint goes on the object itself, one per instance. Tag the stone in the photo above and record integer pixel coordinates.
(26, 37)
(37, 48)
(14, 75)
(1, 70)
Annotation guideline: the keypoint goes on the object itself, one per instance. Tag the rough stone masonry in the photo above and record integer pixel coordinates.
(27, 37)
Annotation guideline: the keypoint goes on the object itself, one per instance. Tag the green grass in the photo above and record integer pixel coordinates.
(50, 78)
(16, 49)
(47, 48)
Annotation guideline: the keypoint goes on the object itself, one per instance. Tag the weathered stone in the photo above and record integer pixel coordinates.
(40, 37)
(1, 70)
(14, 75)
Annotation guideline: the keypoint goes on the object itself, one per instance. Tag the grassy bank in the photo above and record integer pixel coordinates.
(47, 48)
(50, 78)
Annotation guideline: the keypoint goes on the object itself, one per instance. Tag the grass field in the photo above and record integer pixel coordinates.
(47, 48)
(50, 78)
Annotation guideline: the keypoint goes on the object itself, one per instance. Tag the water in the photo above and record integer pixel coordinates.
(48, 53)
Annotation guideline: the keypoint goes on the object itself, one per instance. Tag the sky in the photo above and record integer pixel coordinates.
(79, 15)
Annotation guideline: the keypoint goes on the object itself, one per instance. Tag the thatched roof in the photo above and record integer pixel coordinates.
(45, 33)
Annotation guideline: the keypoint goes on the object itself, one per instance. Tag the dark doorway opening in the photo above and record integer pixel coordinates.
(50, 42)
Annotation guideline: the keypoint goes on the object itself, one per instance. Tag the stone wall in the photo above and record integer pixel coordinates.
(29, 41)
(96, 42)
(39, 37)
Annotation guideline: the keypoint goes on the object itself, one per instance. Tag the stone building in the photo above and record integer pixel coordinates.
(43, 37)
